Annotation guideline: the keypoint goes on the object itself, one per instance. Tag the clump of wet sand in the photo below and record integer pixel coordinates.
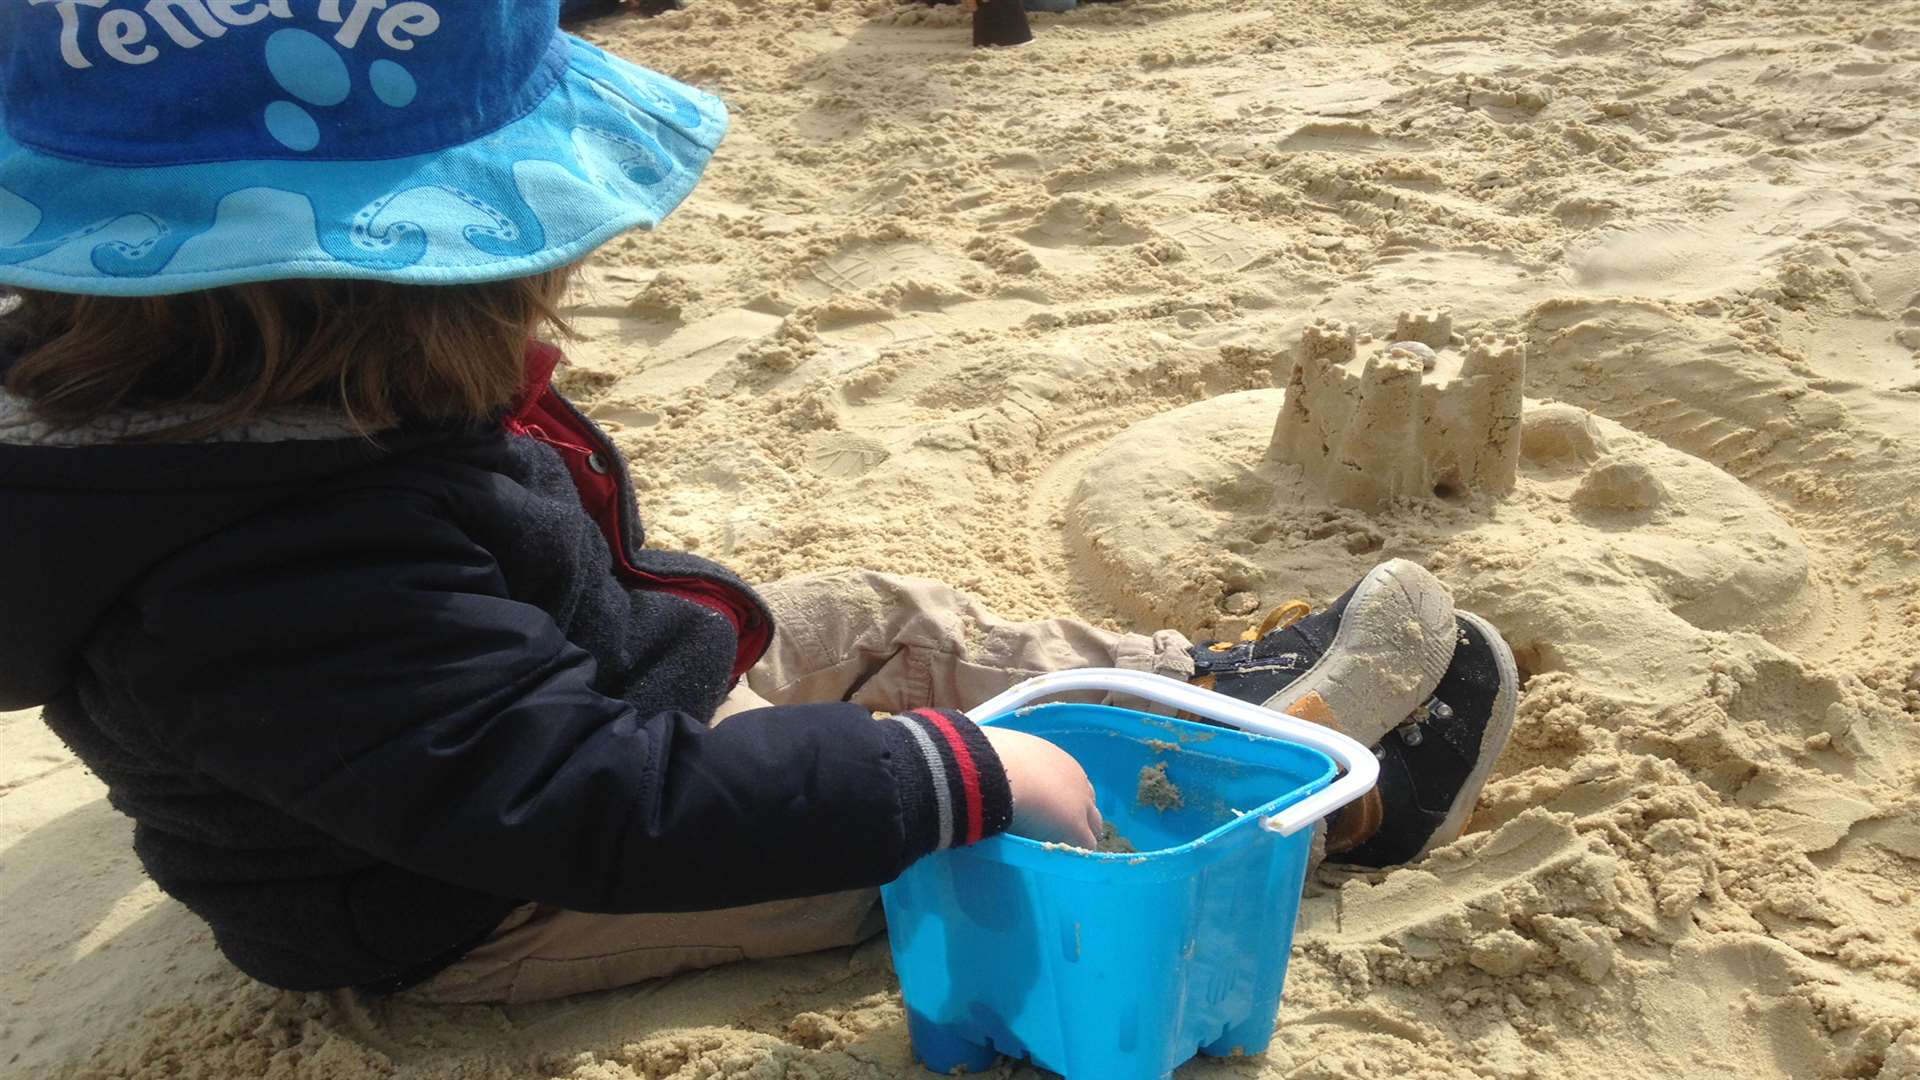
(1156, 790)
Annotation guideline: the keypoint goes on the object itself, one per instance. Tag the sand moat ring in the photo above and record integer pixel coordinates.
(1578, 536)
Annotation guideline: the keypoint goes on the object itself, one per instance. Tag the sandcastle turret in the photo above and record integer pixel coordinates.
(1432, 327)
(1371, 423)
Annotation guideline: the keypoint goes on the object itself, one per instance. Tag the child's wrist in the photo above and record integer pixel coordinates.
(954, 787)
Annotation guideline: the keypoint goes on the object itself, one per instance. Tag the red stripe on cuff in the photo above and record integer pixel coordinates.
(969, 772)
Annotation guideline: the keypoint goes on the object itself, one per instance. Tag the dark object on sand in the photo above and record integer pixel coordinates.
(1001, 22)
(574, 12)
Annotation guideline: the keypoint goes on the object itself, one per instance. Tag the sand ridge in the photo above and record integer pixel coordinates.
(926, 290)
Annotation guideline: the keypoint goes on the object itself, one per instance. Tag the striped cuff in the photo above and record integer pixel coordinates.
(955, 777)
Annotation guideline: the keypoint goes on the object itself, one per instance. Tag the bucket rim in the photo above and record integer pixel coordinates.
(1019, 850)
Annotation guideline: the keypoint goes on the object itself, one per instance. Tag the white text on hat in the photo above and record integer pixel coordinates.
(122, 34)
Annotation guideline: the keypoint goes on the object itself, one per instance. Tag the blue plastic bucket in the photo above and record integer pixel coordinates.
(1119, 966)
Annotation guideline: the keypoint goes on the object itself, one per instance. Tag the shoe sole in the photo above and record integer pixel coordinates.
(1362, 681)
(1499, 727)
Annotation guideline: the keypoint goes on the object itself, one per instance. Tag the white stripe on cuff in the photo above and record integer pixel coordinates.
(942, 797)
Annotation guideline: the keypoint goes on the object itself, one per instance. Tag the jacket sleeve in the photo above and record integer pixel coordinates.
(375, 680)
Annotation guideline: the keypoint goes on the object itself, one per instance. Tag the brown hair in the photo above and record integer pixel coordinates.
(380, 352)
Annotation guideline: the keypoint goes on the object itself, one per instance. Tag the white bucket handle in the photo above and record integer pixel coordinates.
(1361, 770)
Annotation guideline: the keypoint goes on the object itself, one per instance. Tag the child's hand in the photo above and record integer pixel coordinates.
(1052, 797)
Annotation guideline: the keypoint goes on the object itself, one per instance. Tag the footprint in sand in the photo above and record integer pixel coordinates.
(1216, 242)
(863, 266)
(842, 457)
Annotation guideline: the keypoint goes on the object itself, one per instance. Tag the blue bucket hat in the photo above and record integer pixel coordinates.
(150, 147)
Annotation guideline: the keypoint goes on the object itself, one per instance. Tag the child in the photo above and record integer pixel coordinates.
(349, 608)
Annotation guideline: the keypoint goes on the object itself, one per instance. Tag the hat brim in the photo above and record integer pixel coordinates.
(614, 147)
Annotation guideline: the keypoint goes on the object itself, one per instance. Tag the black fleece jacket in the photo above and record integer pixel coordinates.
(362, 698)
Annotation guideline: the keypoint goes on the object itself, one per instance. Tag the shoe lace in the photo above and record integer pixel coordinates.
(1409, 729)
(1278, 619)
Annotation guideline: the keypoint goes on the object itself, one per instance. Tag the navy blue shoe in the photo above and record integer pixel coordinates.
(1433, 766)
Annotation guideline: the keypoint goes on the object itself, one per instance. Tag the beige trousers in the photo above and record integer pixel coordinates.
(888, 643)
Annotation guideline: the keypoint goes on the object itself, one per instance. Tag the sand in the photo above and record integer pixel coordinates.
(1112, 843)
(923, 317)
(1156, 791)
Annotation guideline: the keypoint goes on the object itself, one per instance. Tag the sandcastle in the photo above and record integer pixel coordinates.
(1369, 423)
(1420, 443)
